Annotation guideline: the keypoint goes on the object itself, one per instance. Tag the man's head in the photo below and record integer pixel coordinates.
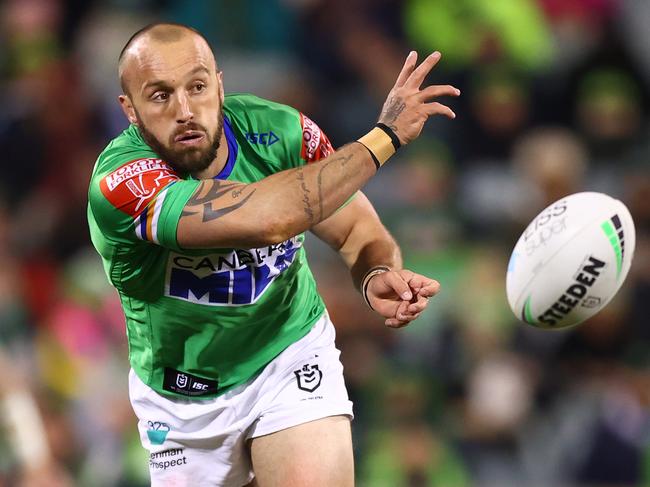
(173, 93)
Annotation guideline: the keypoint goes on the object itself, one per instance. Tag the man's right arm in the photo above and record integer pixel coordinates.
(230, 214)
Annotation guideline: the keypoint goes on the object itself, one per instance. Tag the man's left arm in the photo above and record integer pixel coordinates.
(375, 262)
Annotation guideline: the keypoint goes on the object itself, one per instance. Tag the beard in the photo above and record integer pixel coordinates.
(185, 160)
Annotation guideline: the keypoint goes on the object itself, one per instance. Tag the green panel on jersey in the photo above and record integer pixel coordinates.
(218, 315)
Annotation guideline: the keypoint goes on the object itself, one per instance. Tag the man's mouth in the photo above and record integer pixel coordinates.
(190, 137)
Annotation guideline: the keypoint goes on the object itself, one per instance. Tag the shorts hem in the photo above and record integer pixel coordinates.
(307, 418)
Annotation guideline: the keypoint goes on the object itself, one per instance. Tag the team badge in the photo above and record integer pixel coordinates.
(309, 377)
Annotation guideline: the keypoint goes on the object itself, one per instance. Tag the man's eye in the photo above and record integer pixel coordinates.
(160, 96)
(199, 87)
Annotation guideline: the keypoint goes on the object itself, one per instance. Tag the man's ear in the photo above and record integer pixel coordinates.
(220, 76)
(127, 108)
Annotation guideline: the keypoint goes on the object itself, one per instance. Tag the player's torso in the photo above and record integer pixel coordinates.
(219, 314)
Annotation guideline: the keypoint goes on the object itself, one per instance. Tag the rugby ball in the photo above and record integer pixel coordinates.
(570, 261)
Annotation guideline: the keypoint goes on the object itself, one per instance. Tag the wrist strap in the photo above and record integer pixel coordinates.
(381, 142)
(373, 271)
(393, 137)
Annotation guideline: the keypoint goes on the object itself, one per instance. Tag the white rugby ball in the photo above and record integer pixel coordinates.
(570, 261)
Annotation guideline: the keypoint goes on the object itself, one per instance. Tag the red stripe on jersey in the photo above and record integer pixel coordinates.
(315, 144)
(132, 186)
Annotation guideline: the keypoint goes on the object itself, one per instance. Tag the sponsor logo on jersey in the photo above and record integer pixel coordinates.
(308, 377)
(262, 138)
(157, 432)
(586, 276)
(132, 186)
(188, 384)
(233, 278)
(162, 460)
(315, 144)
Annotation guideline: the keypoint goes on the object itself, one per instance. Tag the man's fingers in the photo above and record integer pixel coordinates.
(435, 91)
(436, 108)
(419, 305)
(407, 69)
(429, 289)
(398, 323)
(394, 323)
(418, 75)
(418, 282)
(399, 285)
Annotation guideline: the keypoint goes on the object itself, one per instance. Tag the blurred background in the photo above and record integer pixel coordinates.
(555, 100)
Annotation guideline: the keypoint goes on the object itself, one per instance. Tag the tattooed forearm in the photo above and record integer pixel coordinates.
(216, 190)
(393, 108)
(305, 195)
(343, 160)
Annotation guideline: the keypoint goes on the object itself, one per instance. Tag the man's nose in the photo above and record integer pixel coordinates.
(184, 110)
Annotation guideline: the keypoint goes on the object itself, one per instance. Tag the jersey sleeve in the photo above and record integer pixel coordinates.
(141, 199)
(315, 145)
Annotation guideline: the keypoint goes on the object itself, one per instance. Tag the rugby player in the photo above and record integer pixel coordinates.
(198, 210)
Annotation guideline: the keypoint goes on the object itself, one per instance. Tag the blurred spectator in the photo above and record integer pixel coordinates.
(478, 32)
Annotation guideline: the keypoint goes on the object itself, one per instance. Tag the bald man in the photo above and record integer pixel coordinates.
(198, 210)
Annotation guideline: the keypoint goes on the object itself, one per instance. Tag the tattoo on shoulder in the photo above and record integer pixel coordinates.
(205, 202)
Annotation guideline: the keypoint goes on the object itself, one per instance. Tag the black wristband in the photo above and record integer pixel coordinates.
(393, 137)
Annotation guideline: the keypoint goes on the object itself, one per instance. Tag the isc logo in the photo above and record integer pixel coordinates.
(262, 138)
(188, 384)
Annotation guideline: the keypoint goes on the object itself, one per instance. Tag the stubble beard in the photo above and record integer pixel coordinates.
(187, 161)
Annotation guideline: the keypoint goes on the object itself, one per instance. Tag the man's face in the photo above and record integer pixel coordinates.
(175, 98)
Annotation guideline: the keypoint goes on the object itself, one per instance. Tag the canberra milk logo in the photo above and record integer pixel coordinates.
(157, 432)
(233, 278)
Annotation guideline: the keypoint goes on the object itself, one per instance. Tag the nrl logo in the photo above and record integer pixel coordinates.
(308, 377)
(181, 381)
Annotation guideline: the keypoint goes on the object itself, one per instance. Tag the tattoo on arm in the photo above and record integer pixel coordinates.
(394, 107)
(305, 195)
(216, 190)
(344, 159)
(204, 204)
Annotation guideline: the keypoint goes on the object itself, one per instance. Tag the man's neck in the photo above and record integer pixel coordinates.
(218, 163)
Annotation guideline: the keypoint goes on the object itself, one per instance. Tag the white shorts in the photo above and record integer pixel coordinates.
(203, 442)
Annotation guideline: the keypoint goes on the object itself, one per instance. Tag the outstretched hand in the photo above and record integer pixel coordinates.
(400, 296)
(407, 106)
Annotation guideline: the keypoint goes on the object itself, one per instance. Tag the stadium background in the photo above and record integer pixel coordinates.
(555, 100)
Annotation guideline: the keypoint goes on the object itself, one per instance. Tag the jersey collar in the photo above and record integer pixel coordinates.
(233, 149)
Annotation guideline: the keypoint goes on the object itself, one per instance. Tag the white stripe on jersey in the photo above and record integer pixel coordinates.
(156, 215)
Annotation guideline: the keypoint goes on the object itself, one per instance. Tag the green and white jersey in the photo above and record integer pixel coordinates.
(200, 322)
